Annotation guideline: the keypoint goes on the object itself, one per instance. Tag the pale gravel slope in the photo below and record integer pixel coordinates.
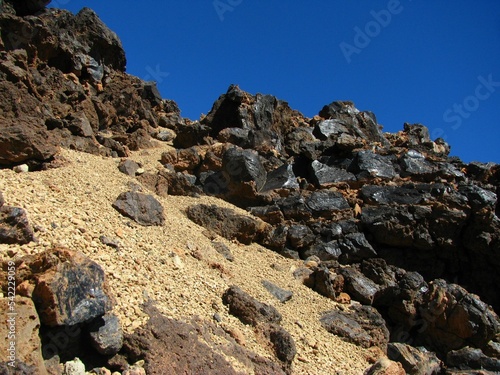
(71, 206)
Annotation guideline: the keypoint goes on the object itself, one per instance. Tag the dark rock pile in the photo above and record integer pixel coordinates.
(389, 219)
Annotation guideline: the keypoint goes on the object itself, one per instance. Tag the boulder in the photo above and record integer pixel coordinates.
(472, 359)
(168, 346)
(68, 287)
(227, 223)
(358, 286)
(326, 202)
(143, 209)
(14, 226)
(362, 325)
(128, 167)
(248, 309)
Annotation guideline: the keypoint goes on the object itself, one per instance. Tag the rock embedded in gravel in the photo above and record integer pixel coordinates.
(14, 226)
(143, 209)
(248, 309)
(128, 167)
(281, 294)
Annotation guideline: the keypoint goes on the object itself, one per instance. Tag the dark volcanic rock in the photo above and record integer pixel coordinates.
(106, 334)
(373, 194)
(24, 141)
(323, 175)
(281, 294)
(169, 346)
(358, 286)
(244, 166)
(472, 359)
(228, 223)
(281, 341)
(14, 226)
(325, 202)
(362, 326)
(68, 289)
(144, 209)
(368, 164)
(128, 167)
(248, 309)
(414, 361)
(28, 7)
(281, 178)
(321, 281)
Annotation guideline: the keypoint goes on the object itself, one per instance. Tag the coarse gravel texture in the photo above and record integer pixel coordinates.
(175, 264)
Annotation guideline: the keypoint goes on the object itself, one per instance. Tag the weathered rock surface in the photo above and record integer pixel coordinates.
(169, 346)
(385, 366)
(14, 226)
(414, 361)
(227, 223)
(248, 309)
(106, 334)
(142, 208)
(22, 330)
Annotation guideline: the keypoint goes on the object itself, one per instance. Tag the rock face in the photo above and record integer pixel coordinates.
(69, 70)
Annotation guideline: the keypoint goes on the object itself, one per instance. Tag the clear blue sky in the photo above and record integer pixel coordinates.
(433, 62)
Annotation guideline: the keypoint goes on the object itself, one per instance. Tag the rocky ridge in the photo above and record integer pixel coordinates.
(392, 243)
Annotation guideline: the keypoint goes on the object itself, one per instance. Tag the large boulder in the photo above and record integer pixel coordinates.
(68, 288)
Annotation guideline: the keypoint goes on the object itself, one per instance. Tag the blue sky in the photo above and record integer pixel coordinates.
(430, 62)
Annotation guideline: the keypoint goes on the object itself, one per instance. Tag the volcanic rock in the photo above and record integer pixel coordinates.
(358, 286)
(227, 223)
(385, 366)
(324, 175)
(362, 325)
(143, 209)
(128, 167)
(68, 288)
(248, 309)
(14, 226)
(415, 361)
(281, 294)
(472, 359)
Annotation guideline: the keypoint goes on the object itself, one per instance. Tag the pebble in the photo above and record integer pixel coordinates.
(23, 168)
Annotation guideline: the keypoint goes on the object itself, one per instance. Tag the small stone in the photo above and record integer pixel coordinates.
(281, 294)
(74, 367)
(23, 168)
(140, 171)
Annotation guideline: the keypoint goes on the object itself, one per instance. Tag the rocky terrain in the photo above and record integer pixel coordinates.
(254, 240)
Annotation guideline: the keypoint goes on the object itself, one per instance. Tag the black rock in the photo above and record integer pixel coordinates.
(223, 250)
(192, 134)
(143, 209)
(320, 280)
(472, 359)
(236, 136)
(29, 7)
(282, 343)
(328, 128)
(414, 163)
(326, 202)
(415, 361)
(270, 214)
(106, 335)
(322, 175)
(294, 207)
(358, 286)
(368, 164)
(242, 166)
(299, 236)
(281, 294)
(355, 248)
(281, 178)
(373, 194)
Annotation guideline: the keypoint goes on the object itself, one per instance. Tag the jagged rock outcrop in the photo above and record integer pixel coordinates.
(70, 71)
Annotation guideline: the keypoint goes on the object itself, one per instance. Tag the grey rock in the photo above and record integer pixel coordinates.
(223, 250)
(281, 178)
(143, 209)
(14, 226)
(355, 248)
(106, 334)
(248, 309)
(415, 164)
(128, 167)
(472, 359)
(236, 136)
(242, 166)
(281, 294)
(166, 135)
(327, 128)
(358, 286)
(373, 194)
(323, 175)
